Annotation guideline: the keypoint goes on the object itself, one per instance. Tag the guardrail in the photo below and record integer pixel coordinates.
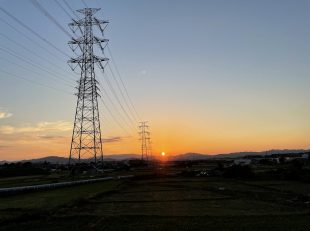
(24, 189)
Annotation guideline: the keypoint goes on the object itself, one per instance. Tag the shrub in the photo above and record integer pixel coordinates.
(239, 171)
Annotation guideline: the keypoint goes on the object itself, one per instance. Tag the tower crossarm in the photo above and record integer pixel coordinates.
(93, 22)
(93, 58)
(81, 40)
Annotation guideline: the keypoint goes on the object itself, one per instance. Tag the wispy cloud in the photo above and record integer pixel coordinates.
(112, 139)
(4, 114)
(59, 126)
(49, 137)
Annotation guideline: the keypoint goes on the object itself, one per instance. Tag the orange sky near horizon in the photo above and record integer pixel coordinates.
(174, 138)
(176, 131)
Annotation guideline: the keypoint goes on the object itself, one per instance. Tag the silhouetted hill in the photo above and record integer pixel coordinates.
(50, 159)
(122, 156)
(64, 160)
(199, 156)
(191, 156)
(181, 157)
(263, 153)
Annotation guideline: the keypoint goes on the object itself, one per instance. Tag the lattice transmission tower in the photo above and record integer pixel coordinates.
(145, 137)
(86, 143)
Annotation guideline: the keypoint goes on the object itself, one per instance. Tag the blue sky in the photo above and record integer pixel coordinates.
(228, 74)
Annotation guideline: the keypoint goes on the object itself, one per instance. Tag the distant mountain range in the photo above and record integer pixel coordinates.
(64, 160)
(181, 157)
(199, 156)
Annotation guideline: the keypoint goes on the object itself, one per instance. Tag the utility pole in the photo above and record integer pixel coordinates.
(86, 143)
(146, 150)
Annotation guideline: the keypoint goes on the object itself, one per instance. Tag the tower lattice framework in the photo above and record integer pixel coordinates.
(146, 149)
(86, 143)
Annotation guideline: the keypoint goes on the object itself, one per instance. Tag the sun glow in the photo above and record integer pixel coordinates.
(163, 154)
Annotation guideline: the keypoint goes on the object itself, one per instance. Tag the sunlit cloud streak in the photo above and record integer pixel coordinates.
(60, 126)
(4, 114)
(113, 139)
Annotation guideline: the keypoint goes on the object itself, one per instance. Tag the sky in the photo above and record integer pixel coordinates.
(210, 76)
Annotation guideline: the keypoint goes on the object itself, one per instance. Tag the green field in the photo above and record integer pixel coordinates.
(174, 203)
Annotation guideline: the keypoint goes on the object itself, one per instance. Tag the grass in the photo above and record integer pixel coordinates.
(46, 201)
(31, 180)
(56, 197)
(157, 204)
(160, 223)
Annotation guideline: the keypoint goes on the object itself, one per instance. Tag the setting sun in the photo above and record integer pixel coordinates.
(163, 154)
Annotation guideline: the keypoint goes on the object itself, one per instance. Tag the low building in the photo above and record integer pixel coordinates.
(242, 162)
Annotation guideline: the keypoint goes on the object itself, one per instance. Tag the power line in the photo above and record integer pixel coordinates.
(29, 38)
(38, 35)
(122, 94)
(112, 89)
(34, 82)
(135, 114)
(28, 69)
(115, 95)
(57, 24)
(50, 17)
(24, 25)
(33, 32)
(84, 3)
(113, 117)
(38, 6)
(66, 12)
(119, 75)
(120, 90)
(54, 21)
(113, 104)
(12, 53)
(130, 126)
(69, 7)
(108, 97)
(110, 85)
(122, 82)
(34, 53)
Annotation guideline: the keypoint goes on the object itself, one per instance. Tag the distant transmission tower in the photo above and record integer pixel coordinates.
(86, 144)
(146, 149)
